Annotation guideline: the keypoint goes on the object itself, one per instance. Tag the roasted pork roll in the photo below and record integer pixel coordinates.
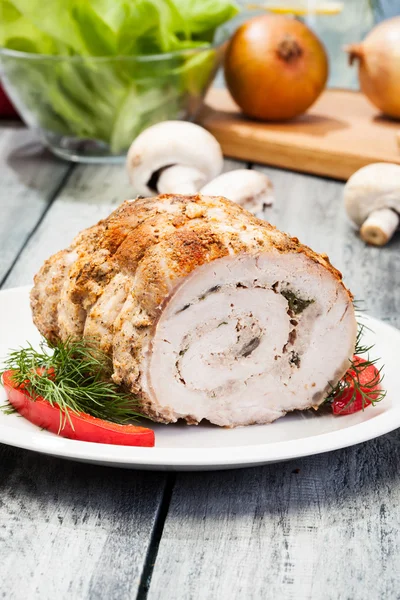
(205, 311)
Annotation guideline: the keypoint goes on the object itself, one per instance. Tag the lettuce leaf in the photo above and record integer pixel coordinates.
(115, 98)
(206, 15)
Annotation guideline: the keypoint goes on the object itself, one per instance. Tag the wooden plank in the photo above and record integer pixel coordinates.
(341, 133)
(90, 194)
(29, 177)
(321, 527)
(70, 530)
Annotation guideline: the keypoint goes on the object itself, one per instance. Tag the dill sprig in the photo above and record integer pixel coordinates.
(368, 392)
(73, 376)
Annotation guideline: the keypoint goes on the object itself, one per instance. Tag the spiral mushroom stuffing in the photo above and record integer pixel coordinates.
(205, 311)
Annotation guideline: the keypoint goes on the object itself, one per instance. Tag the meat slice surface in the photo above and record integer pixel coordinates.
(206, 311)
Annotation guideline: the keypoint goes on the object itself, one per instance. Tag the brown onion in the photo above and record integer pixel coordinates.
(275, 67)
(379, 66)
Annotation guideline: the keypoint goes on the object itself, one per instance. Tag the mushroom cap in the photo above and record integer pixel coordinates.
(371, 188)
(172, 143)
(180, 180)
(251, 189)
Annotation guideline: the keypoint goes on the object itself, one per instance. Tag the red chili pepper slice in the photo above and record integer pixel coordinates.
(369, 383)
(79, 426)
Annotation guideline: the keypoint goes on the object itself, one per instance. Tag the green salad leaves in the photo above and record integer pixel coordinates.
(110, 99)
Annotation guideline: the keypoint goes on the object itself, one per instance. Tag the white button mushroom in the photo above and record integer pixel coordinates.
(173, 157)
(372, 201)
(250, 189)
(177, 157)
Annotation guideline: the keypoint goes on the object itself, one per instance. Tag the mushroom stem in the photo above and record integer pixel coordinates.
(157, 154)
(179, 179)
(380, 226)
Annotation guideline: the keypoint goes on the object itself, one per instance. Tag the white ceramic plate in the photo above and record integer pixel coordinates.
(206, 447)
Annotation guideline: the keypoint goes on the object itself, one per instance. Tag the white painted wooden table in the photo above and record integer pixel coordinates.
(325, 527)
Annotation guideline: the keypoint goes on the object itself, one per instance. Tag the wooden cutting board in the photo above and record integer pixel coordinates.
(341, 133)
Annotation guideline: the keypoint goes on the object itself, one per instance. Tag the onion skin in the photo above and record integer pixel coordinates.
(275, 67)
(379, 66)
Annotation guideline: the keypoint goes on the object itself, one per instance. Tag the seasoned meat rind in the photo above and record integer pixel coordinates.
(206, 311)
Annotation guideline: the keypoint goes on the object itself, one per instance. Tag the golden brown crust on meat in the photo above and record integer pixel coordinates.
(190, 226)
(154, 243)
(45, 294)
(160, 240)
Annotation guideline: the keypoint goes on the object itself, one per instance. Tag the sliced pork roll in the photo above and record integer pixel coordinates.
(205, 311)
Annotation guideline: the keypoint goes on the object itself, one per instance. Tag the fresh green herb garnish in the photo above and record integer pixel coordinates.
(296, 304)
(74, 376)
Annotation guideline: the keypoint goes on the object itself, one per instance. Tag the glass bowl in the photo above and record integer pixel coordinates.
(90, 109)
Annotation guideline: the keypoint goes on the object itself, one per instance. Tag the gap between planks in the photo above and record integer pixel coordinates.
(156, 536)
